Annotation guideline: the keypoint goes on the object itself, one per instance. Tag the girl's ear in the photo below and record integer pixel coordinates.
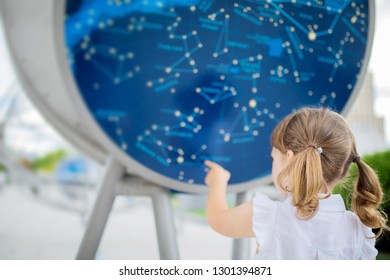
(290, 155)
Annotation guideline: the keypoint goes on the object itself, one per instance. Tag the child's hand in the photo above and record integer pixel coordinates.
(217, 174)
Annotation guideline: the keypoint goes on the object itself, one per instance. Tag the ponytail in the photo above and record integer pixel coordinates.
(367, 197)
(304, 173)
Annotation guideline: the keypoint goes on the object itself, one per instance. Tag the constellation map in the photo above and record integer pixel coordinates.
(173, 83)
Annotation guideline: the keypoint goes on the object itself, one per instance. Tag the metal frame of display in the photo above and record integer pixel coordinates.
(115, 180)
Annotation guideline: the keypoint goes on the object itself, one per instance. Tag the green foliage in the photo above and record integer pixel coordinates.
(380, 162)
(48, 162)
(3, 168)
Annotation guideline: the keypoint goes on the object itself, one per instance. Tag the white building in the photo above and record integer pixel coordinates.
(367, 127)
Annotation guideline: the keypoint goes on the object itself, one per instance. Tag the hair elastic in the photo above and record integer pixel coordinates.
(356, 159)
(318, 149)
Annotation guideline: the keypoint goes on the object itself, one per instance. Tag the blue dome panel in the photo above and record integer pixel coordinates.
(172, 83)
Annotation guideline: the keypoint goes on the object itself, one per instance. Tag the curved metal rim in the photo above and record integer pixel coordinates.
(367, 54)
(50, 116)
(127, 161)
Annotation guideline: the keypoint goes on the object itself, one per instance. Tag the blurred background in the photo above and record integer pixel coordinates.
(47, 186)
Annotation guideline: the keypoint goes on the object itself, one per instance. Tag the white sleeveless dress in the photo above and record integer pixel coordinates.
(333, 233)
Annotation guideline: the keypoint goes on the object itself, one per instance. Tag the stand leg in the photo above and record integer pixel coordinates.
(101, 210)
(163, 213)
(241, 245)
(165, 226)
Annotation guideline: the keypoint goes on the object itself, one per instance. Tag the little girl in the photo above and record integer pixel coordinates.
(312, 150)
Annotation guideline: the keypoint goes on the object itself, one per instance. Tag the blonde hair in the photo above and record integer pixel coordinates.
(324, 148)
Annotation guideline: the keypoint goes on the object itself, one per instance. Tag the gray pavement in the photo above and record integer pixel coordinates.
(50, 225)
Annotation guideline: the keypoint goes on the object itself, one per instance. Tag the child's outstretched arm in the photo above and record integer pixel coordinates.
(234, 222)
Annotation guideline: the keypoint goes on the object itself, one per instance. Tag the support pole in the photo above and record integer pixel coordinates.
(113, 173)
(241, 245)
(165, 226)
(163, 213)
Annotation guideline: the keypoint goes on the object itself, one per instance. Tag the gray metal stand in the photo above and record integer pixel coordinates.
(113, 173)
(163, 213)
(241, 245)
(112, 184)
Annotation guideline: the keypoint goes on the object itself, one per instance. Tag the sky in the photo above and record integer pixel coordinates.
(379, 65)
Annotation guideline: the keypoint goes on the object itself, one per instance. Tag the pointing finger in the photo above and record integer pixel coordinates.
(210, 164)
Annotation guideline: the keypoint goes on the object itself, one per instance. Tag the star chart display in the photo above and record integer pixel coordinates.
(173, 83)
